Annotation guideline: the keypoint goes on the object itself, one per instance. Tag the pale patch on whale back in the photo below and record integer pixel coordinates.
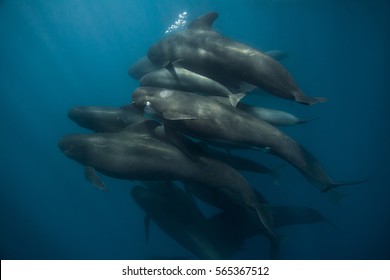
(165, 93)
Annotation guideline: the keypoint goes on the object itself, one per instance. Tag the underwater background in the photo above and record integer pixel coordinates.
(58, 54)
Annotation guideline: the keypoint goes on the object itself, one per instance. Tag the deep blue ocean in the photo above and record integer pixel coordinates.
(58, 54)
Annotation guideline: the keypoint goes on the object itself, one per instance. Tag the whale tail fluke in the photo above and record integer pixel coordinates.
(334, 185)
(334, 196)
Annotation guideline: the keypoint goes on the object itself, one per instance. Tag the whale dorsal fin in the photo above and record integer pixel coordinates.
(204, 22)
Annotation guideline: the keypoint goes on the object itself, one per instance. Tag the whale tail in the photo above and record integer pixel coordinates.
(307, 100)
(334, 185)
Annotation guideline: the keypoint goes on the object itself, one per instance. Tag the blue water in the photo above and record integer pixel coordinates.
(58, 54)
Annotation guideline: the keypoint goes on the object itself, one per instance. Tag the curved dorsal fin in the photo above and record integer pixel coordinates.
(204, 22)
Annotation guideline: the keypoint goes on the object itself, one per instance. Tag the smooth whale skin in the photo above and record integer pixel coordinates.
(179, 78)
(132, 154)
(179, 217)
(243, 164)
(113, 119)
(105, 119)
(142, 67)
(271, 116)
(208, 119)
(137, 153)
(205, 51)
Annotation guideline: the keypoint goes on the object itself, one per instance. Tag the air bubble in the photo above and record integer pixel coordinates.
(179, 24)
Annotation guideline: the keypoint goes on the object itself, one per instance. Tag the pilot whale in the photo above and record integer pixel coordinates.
(272, 116)
(139, 153)
(178, 216)
(202, 50)
(214, 119)
(176, 77)
(104, 118)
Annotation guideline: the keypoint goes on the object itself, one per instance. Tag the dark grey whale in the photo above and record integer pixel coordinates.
(207, 52)
(178, 216)
(138, 153)
(272, 116)
(213, 119)
(104, 118)
(142, 67)
(114, 119)
(177, 77)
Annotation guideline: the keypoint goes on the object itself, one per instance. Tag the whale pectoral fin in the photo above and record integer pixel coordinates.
(177, 140)
(177, 116)
(307, 100)
(91, 175)
(150, 112)
(146, 227)
(204, 22)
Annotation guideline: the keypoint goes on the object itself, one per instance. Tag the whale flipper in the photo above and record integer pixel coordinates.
(307, 100)
(178, 141)
(91, 176)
